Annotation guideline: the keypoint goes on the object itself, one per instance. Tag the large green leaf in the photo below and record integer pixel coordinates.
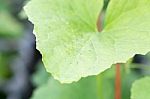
(63, 28)
(141, 89)
(72, 47)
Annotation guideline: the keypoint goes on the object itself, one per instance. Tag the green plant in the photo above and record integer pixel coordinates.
(70, 43)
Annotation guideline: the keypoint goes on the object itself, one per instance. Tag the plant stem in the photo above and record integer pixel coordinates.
(100, 21)
(118, 82)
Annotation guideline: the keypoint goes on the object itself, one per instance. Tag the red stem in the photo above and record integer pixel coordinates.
(100, 21)
(118, 82)
(118, 74)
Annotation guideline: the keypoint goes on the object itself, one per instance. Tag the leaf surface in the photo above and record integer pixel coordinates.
(72, 47)
(93, 87)
(141, 89)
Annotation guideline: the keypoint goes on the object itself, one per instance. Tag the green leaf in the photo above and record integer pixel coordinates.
(93, 87)
(84, 89)
(63, 28)
(141, 89)
(72, 47)
(127, 27)
(120, 8)
(104, 84)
